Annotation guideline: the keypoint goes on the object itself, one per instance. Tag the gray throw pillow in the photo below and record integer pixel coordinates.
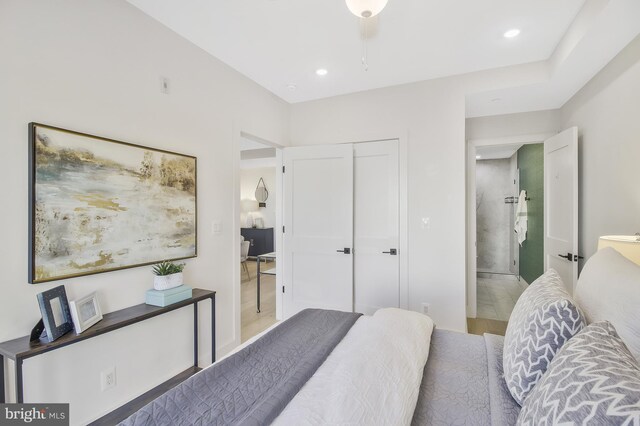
(543, 319)
(592, 380)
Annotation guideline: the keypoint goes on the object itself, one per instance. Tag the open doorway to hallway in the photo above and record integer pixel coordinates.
(259, 197)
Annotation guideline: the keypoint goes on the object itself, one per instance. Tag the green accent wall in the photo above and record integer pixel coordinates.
(531, 166)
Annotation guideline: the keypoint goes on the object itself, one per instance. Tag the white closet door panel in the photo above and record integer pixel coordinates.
(376, 226)
(318, 221)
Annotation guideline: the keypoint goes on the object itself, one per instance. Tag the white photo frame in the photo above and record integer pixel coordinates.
(85, 312)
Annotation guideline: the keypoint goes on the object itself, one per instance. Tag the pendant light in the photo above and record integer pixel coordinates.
(366, 8)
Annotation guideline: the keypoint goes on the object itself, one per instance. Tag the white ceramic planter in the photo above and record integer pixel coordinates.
(165, 282)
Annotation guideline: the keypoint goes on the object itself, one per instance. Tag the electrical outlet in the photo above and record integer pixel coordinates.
(108, 379)
(425, 308)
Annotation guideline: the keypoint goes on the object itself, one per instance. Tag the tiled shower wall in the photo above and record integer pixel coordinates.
(495, 249)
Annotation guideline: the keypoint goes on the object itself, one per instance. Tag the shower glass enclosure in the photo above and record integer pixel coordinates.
(497, 188)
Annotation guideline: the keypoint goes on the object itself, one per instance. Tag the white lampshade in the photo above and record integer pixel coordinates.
(628, 246)
(366, 8)
(248, 205)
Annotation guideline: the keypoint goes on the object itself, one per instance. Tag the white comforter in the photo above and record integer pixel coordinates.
(371, 378)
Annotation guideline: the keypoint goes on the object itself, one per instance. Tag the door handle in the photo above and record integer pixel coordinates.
(346, 250)
(571, 257)
(392, 252)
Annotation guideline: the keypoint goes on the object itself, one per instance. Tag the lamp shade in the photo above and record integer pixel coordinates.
(628, 246)
(366, 8)
(248, 205)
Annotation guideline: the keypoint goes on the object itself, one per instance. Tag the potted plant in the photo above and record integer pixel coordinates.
(167, 275)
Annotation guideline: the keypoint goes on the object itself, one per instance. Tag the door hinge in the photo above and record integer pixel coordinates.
(283, 229)
(283, 289)
(282, 169)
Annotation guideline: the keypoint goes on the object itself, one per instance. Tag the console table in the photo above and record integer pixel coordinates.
(266, 257)
(21, 348)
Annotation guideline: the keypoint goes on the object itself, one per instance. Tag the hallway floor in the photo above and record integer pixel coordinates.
(497, 295)
(253, 322)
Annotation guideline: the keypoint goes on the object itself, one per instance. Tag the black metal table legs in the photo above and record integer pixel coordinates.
(258, 284)
(213, 329)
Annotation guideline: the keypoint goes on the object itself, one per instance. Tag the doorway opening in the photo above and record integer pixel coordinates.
(259, 217)
(509, 204)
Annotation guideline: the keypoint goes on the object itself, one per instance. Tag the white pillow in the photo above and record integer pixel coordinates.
(609, 289)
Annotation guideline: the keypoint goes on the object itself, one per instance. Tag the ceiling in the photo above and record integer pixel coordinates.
(599, 32)
(496, 152)
(247, 144)
(280, 43)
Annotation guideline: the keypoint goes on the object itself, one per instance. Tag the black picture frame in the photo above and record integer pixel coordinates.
(56, 314)
(33, 276)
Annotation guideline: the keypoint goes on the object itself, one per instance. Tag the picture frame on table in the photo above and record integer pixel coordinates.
(85, 312)
(56, 316)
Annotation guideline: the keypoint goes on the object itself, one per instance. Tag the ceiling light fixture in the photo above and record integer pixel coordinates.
(512, 33)
(291, 86)
(478, 157)
(366, 8)
(321, 72)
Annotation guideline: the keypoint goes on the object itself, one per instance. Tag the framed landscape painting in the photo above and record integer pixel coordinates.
(98, 205)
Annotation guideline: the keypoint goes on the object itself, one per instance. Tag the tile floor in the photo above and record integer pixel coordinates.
(497, 295)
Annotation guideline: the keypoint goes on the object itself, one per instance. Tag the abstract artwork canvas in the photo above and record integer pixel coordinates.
(98, 205)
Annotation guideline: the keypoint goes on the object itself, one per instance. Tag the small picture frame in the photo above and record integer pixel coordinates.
(85, 312)
(56, 316)
(259, 222)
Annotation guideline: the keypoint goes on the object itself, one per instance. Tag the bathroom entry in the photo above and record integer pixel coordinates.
(509, 225)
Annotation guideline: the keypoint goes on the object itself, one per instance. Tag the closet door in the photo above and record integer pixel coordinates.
(376, 226)
(318, 237)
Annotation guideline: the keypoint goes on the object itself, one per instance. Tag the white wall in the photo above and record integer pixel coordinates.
(430, 116)
(504, 126)
(248, 181)
(95, 67)
(607, 113)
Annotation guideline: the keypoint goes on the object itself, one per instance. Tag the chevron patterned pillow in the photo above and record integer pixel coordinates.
(593, 379)
(543, 319)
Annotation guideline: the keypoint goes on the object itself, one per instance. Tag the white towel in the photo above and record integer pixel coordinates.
(521, 217)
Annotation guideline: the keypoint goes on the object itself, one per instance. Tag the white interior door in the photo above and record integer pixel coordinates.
(561, 205)
(376, 226)
(318, 234)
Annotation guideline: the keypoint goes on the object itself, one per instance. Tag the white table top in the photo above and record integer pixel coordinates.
(271, 255)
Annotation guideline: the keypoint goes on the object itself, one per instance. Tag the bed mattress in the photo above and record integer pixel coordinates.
(460, 384)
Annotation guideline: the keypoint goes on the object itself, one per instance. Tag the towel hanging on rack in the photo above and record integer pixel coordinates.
(521, 217)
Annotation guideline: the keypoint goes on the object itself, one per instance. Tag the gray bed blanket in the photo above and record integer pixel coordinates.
(454, 384)
(462, 383)
(504, 409)
(254, 385)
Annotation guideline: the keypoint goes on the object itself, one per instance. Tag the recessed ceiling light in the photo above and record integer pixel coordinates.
(512, 33)
(321, 72)
(478, 157)
(291, 86)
